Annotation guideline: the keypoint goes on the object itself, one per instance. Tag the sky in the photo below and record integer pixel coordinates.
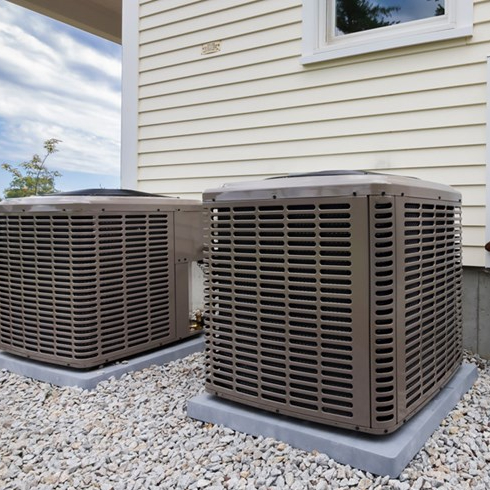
(59, 82)
(410, 9)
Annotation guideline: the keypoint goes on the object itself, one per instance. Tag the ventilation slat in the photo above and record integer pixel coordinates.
(431, 236)
(82, 289)
(290, 284)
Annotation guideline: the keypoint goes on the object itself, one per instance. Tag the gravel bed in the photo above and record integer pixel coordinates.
(133, 433)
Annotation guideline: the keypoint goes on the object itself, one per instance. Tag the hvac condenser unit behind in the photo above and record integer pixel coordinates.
(94, 276)
(334, 297)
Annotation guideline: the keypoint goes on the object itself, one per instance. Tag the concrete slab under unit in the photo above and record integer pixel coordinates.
(88, 379)
(380, 455)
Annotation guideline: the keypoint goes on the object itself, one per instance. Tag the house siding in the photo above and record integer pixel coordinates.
(253, 110)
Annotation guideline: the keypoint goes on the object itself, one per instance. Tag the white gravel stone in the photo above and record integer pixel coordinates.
(133, 433)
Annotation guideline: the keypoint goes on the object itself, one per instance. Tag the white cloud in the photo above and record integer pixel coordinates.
(55, 85)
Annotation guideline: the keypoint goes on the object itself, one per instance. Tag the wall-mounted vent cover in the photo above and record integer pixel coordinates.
(94, 276)
(333, 297)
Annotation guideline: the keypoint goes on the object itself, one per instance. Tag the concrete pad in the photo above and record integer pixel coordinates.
(380, 455)
(88, 379)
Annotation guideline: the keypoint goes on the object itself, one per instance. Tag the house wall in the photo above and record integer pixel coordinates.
(476, 310)
(252, 110)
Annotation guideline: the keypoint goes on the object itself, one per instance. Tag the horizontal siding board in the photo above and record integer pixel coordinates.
(386, 125)
(229, 48)
(290, 89)
(473, 256)
(338, 124)
(341, 150)
(320, 111)
(151, 7)
(156, 27)
(481, 34)
(456, 175)
(429, 138)
(198, 184)
(253, 115)
(474, 236)
(408, 160)
(223, 32)
(473, 195)
(473, 215)
(210, 87)
(481, 12)
(176, 10)
(215, 64)
(191, 11)
(467, 175)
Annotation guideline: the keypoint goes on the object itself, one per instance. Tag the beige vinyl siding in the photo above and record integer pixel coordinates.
(253, 111)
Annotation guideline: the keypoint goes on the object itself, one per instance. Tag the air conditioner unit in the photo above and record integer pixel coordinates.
(333, 297)
(93, 276)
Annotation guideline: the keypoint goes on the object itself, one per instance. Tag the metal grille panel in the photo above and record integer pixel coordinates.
(431, 297)
(287, 300)
(82, 289)
(383, 312)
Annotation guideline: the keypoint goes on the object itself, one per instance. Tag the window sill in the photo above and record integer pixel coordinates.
(345, 49)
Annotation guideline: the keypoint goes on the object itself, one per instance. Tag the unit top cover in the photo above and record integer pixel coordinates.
(98, 200)
(331, 183)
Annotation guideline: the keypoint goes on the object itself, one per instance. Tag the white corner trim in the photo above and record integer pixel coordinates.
(129, 109)
(487, 165)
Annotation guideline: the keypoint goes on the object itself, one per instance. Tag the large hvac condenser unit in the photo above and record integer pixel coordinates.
(333, 297)
(94, 276)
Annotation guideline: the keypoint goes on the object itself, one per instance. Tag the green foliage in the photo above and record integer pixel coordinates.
(362, 15)
(33, 178)
(440, 9)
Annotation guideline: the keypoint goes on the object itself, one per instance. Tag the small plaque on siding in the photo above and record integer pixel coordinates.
(212, 47)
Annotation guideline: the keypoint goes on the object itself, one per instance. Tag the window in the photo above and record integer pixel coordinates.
(338, 28)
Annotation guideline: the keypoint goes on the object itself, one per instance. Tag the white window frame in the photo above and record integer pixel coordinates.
(320, 43)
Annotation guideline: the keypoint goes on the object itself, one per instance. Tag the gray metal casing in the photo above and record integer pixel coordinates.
(91, 279)
(335, 299)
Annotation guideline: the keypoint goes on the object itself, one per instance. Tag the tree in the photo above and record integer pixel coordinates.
(440, 9)
(32, 178)
(362, 15)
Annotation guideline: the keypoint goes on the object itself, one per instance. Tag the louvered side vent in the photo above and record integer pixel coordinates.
(432, 302)
(207, 243)
(84, 287)
(134, 252)
(383, 312)
(287, 303)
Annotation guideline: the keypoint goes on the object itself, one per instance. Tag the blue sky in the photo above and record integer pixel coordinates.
(411, 9)
(59, 82)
